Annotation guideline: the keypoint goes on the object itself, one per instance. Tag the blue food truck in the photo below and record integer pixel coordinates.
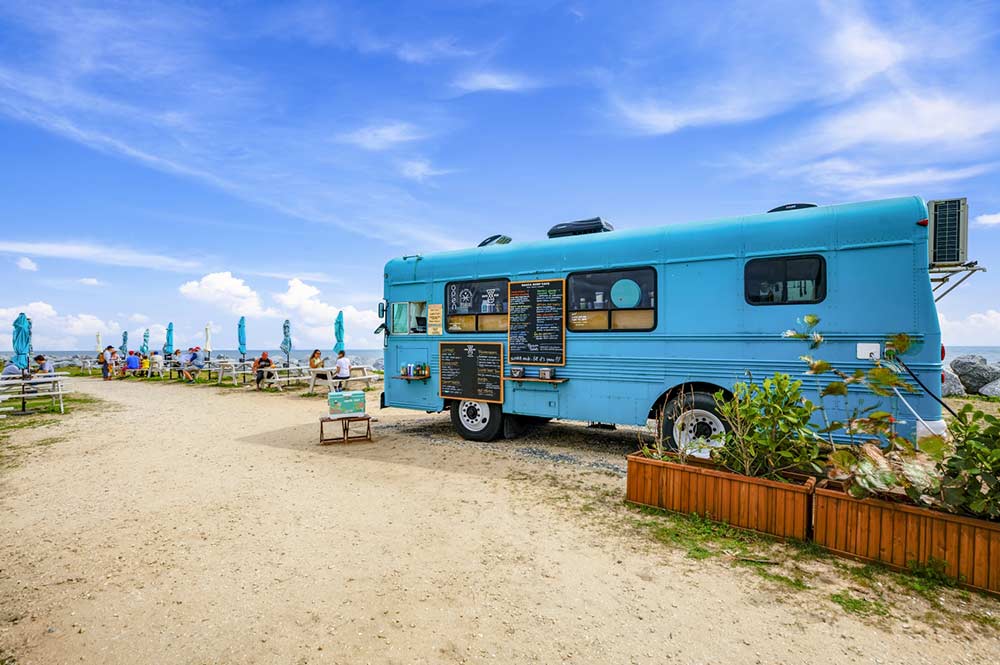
(602, 325)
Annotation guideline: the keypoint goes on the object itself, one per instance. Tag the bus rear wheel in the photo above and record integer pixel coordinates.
(477, 421)
(691, 421)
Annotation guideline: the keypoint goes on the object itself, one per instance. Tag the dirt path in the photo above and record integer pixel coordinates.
(193, 525)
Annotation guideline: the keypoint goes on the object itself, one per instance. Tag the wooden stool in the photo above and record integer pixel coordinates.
(345, 423)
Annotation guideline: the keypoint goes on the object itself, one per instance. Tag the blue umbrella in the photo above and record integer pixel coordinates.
(168, 348)
(286, 343)
(22, 341)
(338, 332)
(124, 347)
(144, 349)
(241, 336)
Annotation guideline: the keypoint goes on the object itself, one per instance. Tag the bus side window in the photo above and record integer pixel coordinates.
(786, 280)
(476, 306)
(615, 300)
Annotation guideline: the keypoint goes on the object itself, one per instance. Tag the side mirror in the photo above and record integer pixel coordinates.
(381, 309)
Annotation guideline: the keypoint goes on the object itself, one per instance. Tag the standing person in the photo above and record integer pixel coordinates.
(343, 370)
(315, 362)
(107, 360)
(44, 366)
(259, 365)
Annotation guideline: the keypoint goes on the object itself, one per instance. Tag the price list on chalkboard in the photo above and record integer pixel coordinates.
(471, 370)
(537, 322)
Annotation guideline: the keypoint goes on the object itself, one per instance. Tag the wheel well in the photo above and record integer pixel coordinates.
(692, 386)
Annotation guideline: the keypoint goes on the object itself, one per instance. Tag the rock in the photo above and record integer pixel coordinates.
(952, 386)
(974, 372)
(991, 389)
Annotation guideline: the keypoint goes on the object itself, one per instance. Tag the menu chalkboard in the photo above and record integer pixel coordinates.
(471, 370)
(536, 333)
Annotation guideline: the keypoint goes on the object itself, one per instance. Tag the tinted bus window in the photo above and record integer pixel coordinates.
(476, 306)
(787, 280)
(615, 300)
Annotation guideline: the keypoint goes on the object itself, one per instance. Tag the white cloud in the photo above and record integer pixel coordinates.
(138, 318)
(101, 254)
(382, 137)
(313, 319)
(54, 331)
(494, 81)
(222, 289)
(988, 220)
(840, 174)
(435, 49)
(24, 263)
(90, 281)
(420, 170)
(976, 329)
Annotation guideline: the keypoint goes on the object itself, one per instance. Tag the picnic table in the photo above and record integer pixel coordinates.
(363, 374)
(232, 368)
(293, 374)
(39, 385)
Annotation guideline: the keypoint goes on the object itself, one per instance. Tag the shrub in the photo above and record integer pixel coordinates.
(769, 431)
(972, 472)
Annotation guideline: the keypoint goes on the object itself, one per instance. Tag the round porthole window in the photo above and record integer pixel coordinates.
(625, 294)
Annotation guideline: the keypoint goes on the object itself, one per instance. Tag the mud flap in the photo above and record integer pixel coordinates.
(514, 426)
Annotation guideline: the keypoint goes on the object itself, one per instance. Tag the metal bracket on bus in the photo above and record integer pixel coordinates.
(941, 275)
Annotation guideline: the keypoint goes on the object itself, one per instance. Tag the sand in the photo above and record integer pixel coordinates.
(180, 524)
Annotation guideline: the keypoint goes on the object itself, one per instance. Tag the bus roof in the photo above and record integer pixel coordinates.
(807, 230)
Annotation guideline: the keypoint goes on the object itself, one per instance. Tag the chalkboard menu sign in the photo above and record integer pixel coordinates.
(537, 322)
(471, 370)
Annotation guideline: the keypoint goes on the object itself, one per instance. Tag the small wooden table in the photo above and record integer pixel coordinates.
(345, 422)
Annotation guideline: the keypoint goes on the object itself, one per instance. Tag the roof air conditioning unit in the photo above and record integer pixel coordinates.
(948, 230)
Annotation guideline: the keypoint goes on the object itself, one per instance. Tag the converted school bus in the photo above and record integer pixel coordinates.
(698, 305)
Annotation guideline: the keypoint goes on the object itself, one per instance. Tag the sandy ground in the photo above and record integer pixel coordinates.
(181, 524)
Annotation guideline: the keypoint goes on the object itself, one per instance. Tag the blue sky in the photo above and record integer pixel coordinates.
(186, 163)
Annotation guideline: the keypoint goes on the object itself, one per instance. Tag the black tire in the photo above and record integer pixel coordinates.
(685, 402)
(489, 415)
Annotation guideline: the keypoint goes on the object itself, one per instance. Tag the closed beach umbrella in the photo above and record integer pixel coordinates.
(144, 349)
(241, 337)
(286, 342)
(208, 339)
(338, 332)
(124, 347)
(22, 341)
(100, 347)
(168, 347)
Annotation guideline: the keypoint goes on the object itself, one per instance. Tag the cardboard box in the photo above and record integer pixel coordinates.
(347, 403)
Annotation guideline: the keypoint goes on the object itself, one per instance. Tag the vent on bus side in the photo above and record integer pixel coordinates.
(580, 228)
(792, 206)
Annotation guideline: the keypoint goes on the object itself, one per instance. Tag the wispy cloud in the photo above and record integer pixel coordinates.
(382, 136)
(102, 254)
(988, 220)
(420, 170)
(24, 263)
(494, 81)
(90, 281)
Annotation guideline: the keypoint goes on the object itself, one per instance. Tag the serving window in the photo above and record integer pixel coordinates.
(612, 300)
(408, 318)
(786, 280)
(476, 306)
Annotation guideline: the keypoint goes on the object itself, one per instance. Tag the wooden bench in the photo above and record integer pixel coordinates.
(345, 432)
(272, 376)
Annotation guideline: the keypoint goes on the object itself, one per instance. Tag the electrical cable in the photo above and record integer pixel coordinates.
(922, 385)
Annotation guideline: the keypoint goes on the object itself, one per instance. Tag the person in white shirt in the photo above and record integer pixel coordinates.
(343, 369)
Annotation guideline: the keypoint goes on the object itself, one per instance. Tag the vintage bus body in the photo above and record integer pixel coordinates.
(720, 295)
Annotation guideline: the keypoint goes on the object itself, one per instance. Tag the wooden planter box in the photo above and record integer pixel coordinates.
(767, 506)
(898, 534)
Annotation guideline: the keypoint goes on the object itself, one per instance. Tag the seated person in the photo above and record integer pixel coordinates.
(194, 364)
(259, 365)
(144, 363)
(11, 371)
(44, 366)
(343, 370)
(132, 363)
(315, 362)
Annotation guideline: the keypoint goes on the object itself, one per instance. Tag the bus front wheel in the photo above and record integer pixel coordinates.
(477, 421)
(691, 421)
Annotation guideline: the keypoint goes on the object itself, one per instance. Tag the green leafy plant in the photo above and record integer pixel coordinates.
(972, 472)
(769, 433)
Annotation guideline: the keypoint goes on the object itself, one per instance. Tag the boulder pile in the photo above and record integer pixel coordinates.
(973, 375)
